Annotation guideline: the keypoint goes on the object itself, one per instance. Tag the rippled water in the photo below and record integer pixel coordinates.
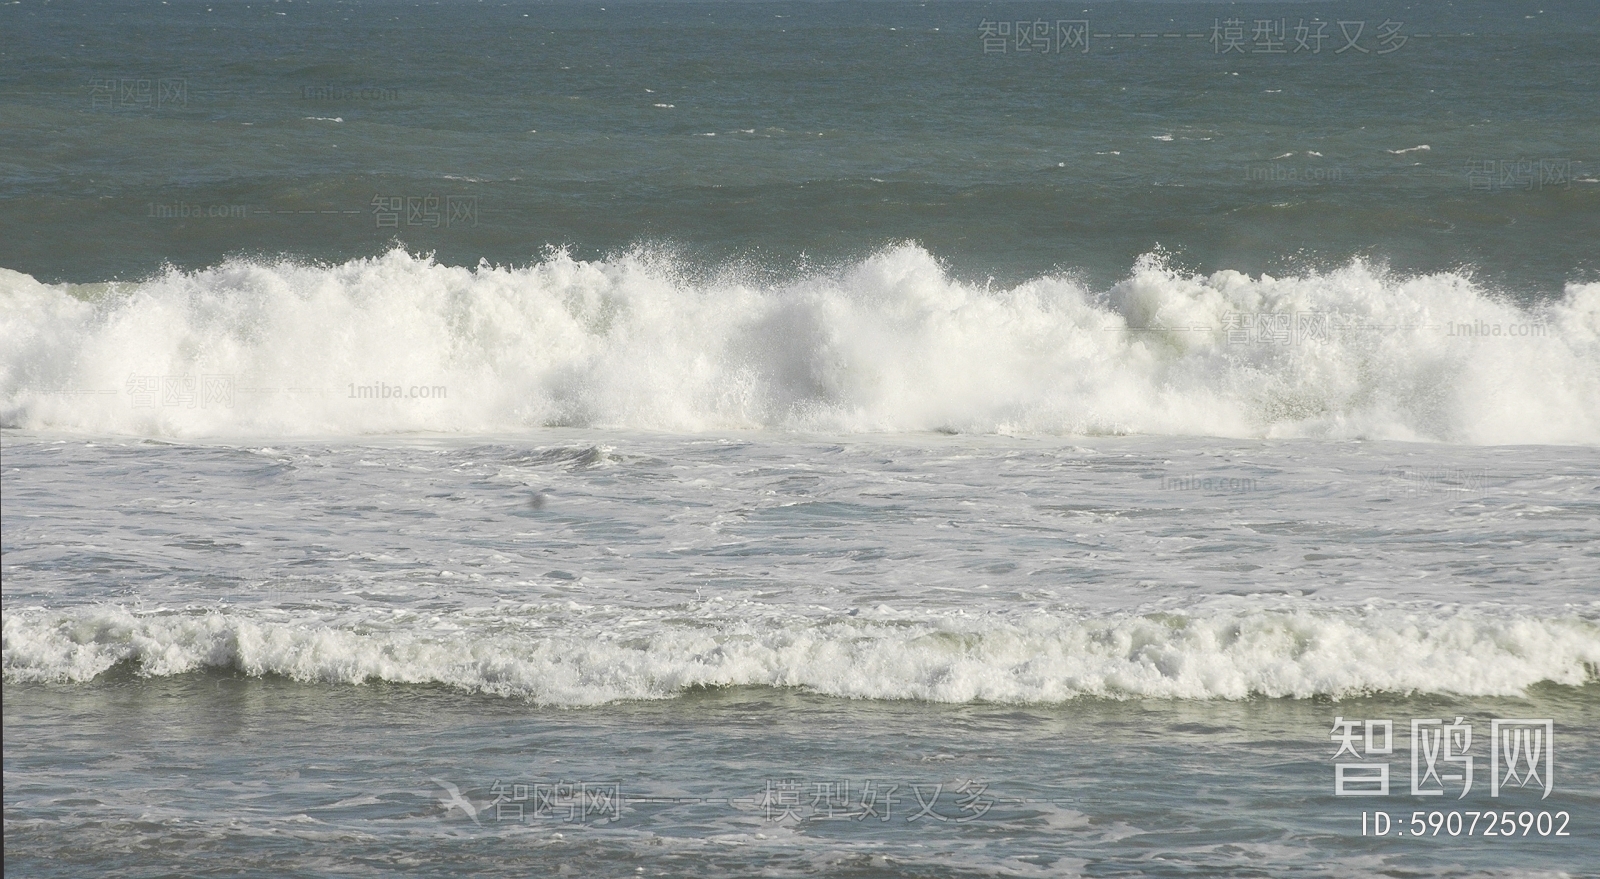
(792, 133)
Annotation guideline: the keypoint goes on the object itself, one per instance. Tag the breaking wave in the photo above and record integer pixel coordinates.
(562, 656)
(399, 343)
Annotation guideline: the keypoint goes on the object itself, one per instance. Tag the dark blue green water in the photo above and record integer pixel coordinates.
(777, 134)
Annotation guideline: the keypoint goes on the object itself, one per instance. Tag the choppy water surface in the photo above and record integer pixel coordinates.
(1139, 645)
(794, 438)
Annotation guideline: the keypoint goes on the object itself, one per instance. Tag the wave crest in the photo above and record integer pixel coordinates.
(951, 657)
(892, 343)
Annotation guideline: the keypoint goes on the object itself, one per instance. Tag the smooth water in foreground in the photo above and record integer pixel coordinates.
(213, 773)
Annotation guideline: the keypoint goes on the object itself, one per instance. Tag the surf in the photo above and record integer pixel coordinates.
(399, 343)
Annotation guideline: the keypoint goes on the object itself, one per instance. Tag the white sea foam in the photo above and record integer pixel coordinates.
(555, 656)
(892, 343)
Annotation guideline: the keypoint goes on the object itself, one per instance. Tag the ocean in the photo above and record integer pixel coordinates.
(743, 438)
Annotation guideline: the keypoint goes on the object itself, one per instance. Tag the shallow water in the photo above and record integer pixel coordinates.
(217, 772)
(272, 659)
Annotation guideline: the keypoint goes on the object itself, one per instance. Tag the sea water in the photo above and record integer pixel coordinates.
(755, 438)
